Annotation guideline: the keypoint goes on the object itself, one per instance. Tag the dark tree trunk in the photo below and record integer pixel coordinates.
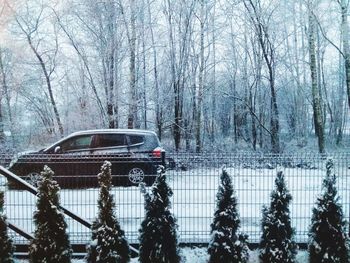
(49, 87)
(132, 68)
(316, 100)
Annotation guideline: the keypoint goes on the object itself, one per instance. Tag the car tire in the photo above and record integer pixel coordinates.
(33, 178)
(136, 175)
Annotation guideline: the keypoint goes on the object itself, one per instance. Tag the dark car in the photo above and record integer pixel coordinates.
(76, 160)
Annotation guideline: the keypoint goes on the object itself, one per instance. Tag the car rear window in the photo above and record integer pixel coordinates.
(110, 140)
(136, 139)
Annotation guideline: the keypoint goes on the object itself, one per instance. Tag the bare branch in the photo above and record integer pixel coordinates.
(325, 36)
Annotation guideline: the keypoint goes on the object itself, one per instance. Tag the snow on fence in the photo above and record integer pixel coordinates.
(194, 179)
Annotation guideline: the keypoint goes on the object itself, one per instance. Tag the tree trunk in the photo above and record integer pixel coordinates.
(339, 103)
(316, 100)
(84, 59)
(2, 134)
(3, 91)
(110, 90)
(304, 84)
(274, 118)
(213, 88)
(200, 80)
(268, 52)
(132, 70)
(175, 83)
(274, 121)
(345, 35)
(49, 87)
(235, 110)
(111, 67)
(158, 109)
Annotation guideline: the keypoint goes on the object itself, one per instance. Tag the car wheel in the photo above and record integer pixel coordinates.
(33, 178)
(136, 175)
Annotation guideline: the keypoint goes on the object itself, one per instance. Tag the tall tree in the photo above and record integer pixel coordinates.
(158, 107)
(344, 4)
(201, 75)
(179, 18)
(267, 45)
(130, 24)
(315, 86)
(30, 23)
(82, 51)
(132, 118)
(5, 94)
(2, 134)
(110, 10)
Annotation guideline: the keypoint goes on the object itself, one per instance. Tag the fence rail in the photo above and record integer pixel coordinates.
(194, 179)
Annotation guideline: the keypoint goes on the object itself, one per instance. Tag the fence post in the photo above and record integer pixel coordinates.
(163, 158)
(1, 201)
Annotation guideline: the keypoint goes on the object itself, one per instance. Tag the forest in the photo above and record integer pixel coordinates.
(258, 75)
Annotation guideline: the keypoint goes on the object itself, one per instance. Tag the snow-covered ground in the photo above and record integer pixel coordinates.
(193, 201)
(199, 255)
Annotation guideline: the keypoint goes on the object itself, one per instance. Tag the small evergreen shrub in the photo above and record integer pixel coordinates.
(327, 236)
(51, 242)
(226, 244)
(108, 239)
(6, 247)
(277, 241)
(158, 233)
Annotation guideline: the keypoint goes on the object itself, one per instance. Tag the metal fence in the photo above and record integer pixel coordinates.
(194, 179)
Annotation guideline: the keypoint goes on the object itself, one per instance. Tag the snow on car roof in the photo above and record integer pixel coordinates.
(99, 131)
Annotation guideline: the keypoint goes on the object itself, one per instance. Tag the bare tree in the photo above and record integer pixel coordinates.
(29, 25)
(158, 107)
(196, 73)
(132, 47)
(178, 55)
(261, 28)
(316, 99)
(4, 84)
(2, 134)
(198, 118)
(344, 4)
(5, 95)
(109, 65)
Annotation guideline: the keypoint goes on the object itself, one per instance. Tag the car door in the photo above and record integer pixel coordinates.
(109, 143)
(71, 162)
(112, 147)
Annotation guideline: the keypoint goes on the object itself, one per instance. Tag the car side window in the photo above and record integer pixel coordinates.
(77, 143)
(110, 140)
(136, 139)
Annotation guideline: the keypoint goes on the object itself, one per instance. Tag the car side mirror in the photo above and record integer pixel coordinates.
(58, 149)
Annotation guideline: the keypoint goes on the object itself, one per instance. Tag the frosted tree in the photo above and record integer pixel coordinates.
(327, 235)
(316, 97)
(51, 242)
(108, 239)
(158, 233)
(6, 248)
(277, 241)
(226, 244)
